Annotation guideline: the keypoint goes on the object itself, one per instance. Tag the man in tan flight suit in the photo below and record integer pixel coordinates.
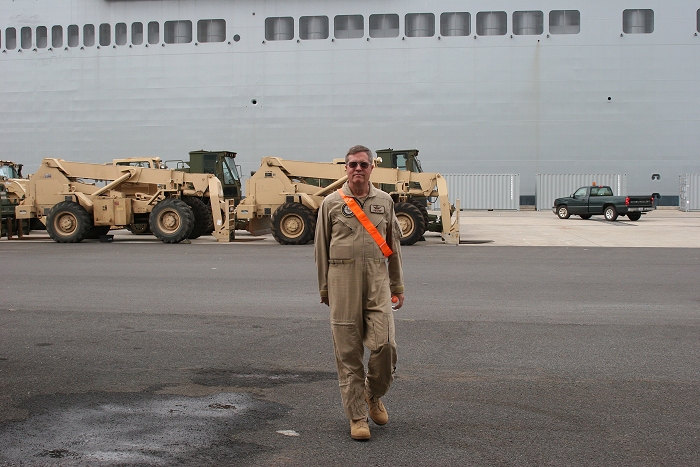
(358, 283)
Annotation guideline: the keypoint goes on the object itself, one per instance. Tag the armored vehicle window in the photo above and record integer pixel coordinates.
(313, 27)
(26, 38)
(384, 26)
(230, 172)
(57, 36)
(401, 161)
(120, 33)
(153, 32)
(105, 34)
(211, 30)
(209, 164)
(279, 29)
(528, 23)
(420, 25)
(177, 32)
(638, 21)
(564, 22)
(491, 23)
(143, 164)
(349, 26)
(10, 38)
(73, 38)
(7, 171)
(89, 35)
(137, 33)
(42, 37)
(455, 24)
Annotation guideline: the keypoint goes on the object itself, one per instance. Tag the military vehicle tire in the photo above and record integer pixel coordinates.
(423, 210)
(411, 221)
(141, 228)
(203, 218)
(171, 220)
(293, 224)
(634, 216)
(610, 213)
(68, 222)
(563, 212)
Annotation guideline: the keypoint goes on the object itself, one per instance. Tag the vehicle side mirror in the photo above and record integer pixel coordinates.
(574, 196)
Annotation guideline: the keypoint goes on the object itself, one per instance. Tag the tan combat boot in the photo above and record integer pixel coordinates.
(359, 429)
(377, 411)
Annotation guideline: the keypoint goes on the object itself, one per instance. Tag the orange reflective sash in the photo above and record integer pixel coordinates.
(366, 223)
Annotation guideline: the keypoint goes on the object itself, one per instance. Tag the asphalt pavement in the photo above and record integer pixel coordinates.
(538, 341)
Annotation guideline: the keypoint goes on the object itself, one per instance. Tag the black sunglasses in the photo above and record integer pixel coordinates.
(354, 164)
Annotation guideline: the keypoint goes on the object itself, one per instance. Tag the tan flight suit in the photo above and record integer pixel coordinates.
(358, 281)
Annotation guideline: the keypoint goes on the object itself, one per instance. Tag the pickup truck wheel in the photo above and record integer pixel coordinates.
(411, 221)
(171, 220)
(293, 224)
(610, 213)
(634, 216)
(585, 216)
(68, 222)
(563, 212)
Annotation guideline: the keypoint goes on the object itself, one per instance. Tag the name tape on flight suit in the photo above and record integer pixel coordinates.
(366, 223)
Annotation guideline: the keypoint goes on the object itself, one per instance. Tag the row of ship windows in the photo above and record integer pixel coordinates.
(488, 23)
(174, 32)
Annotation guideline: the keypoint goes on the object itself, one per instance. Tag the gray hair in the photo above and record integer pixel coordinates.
(358, 149)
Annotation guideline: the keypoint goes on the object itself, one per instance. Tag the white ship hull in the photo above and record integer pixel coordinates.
(599, 101)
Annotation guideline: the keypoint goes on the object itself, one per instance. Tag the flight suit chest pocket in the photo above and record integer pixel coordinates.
(379, 222)
(342, 239)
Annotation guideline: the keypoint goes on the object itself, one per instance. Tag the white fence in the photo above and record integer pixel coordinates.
(485, 191)
(689, 193)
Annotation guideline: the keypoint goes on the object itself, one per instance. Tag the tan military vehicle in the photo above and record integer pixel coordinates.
(78, 200)
(283, 197)
(12, 189)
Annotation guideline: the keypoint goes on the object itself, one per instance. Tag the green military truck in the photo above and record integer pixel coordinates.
(219, 163)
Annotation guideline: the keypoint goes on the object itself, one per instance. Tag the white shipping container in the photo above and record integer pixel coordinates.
(485, 191)
(689, 193)
(549, 187)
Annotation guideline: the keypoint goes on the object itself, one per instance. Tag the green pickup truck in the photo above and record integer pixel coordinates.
(594, 200)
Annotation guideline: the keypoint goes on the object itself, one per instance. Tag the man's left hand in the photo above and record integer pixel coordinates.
(398, 304)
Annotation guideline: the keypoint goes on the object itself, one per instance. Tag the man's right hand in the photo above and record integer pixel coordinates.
(324, 300)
